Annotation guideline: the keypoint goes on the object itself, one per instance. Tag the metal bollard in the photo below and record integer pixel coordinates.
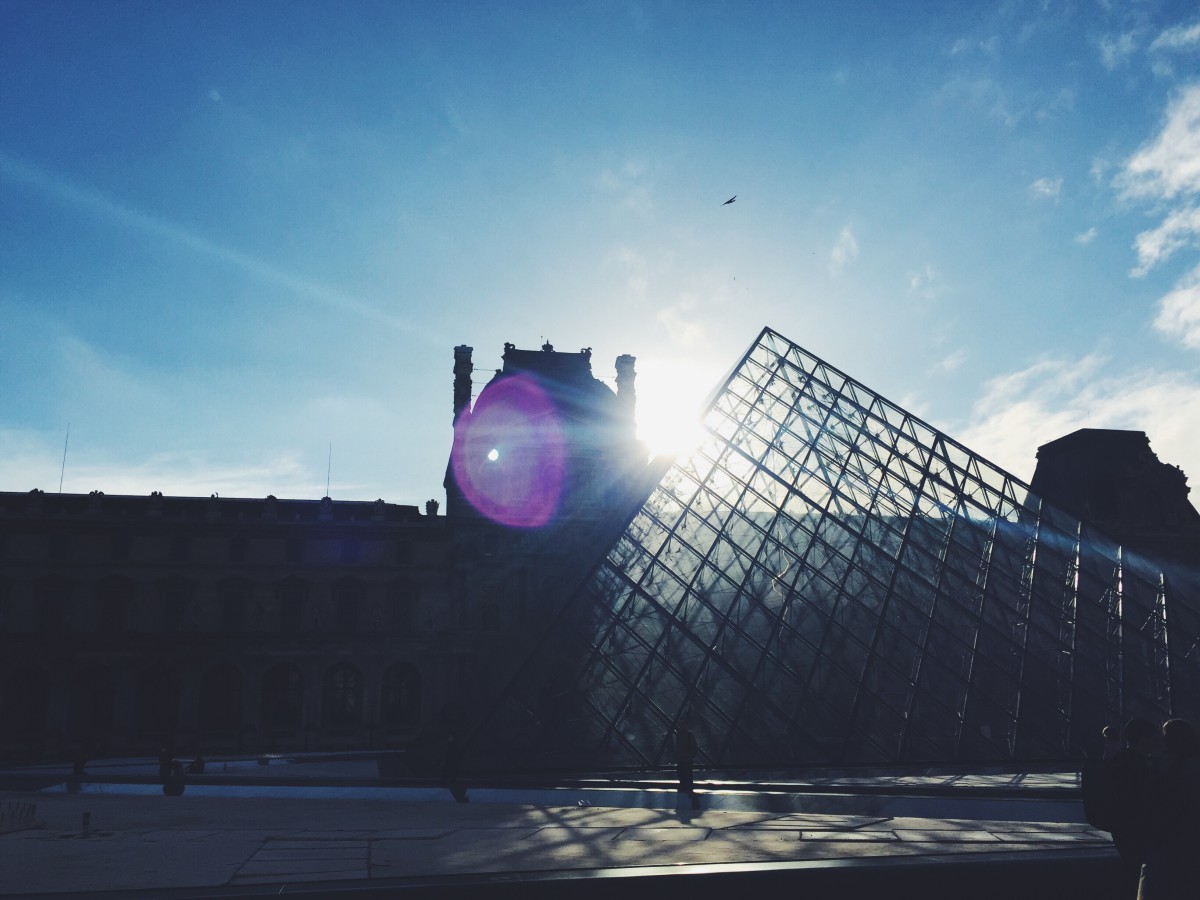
(87, 823)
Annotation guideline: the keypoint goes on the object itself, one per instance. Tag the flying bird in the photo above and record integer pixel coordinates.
(730, 200)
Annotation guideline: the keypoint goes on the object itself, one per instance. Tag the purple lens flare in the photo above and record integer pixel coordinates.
(510, 454)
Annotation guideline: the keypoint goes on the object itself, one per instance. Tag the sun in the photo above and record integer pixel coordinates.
(670, 396)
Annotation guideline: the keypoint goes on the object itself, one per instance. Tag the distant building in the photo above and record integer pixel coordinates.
(826, 579)
(220, 625)
(545, 470)
(236, 625)
(1114, 481)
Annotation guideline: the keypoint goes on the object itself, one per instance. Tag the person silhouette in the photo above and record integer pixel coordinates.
(1129, 776)
(1171, 870)
(1112, 742)
(685, 756)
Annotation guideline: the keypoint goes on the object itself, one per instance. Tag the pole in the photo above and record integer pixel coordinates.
(63, 471)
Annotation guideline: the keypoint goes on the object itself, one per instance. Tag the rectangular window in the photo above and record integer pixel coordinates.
(120, 547)
(180, 548)
(293, 550)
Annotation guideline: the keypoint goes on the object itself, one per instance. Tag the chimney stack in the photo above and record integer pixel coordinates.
(462, 379)
(626, 395)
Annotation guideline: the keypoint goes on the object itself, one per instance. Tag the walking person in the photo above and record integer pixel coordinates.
(1171, 870)
(1128, 777)
(1112, 742)
(685, 756)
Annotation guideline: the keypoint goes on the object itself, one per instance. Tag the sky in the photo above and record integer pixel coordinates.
(239, 241)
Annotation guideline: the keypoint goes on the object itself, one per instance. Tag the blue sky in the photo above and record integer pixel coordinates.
(232, 234)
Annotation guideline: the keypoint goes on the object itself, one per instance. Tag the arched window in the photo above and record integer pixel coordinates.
(400, 697)
(156, 701)
(341, 705)
(23, 702)
(92, 700)
(282, 698)
(221, 699)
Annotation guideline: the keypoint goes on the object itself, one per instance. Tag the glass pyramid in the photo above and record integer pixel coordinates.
(829, 580)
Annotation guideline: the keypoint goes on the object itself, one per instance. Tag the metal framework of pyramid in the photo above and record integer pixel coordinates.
(829, 580)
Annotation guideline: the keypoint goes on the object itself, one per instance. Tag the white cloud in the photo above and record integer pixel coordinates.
(1049, 188)
(924, 282)
(1179, 229)
(1168, 166)
(1085, 237)
(1166, 173)
(951, 362)
(1020, 411)
(982, 93)
(634, 269)
(628, 184)
(1180, 37)
(214, 95)
(845, 251)
(1179, 311)
(680, 320)
(964, 45)
(1116, 49)
(1099, 169)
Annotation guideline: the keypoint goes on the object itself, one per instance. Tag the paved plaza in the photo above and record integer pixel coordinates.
(146, 840)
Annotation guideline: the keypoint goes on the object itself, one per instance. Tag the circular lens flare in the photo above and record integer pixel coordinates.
(509, 455)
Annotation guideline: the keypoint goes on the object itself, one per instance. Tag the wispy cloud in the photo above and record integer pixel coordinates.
(105, 208)
(1046, 188)
(1115, 49)
(1181, 37)
(985, 94)
(845, 251)
(1179, 311)
(964, 46)
(628, 184)
(1022, 410)
(633, 268)
(1085, 237)
(921, 282)
(681, 321)
(951, 362)
(1179, 229)
(1169, 165)
(1166, 174)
